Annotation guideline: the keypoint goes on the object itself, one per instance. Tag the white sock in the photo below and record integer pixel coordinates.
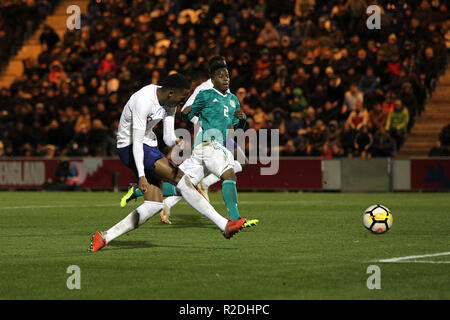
(136, 218)
(196, 201)
(171, 201)
(210, 180)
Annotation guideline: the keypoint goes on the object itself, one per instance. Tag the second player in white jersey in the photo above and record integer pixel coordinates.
(140, 115)
(143, 112)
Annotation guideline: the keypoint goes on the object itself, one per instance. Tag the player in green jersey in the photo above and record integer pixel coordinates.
(218, 110)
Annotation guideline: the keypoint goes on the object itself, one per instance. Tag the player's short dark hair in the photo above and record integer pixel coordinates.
(176, 81)
(216, 63)
(213, 69)
(216, 59)
(216, 67)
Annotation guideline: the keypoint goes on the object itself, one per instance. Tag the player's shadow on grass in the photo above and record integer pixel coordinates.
(190, 221)
(136, 244)
(131, 244)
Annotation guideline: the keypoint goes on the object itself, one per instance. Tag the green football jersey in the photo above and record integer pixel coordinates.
(216, 115)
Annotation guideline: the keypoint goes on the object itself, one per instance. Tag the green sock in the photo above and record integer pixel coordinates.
(229, 194)
(169, 190)
(138, 192)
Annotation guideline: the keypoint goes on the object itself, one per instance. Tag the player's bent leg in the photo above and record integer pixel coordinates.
(132, 221)
(151, 206)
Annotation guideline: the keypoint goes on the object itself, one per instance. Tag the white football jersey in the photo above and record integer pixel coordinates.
(203, 86)
(142, 111)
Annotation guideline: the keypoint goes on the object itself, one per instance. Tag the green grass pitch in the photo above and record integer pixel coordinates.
(307, 246)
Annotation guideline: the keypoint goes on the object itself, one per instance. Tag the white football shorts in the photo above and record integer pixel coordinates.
(207, 157)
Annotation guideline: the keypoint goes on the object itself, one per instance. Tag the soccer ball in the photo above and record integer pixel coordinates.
(377, 218)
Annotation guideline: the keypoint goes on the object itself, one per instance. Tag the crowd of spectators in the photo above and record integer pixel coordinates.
(311, 69)
(18, 20)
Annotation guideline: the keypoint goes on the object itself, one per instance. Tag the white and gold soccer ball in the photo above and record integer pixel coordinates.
(377, 218)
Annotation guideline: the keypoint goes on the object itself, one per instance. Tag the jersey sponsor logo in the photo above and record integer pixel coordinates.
(215, 100)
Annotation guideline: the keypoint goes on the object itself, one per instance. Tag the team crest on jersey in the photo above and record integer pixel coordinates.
(232, 103)
(149, 119)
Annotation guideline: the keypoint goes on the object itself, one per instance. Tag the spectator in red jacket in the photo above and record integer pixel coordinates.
(107, 65)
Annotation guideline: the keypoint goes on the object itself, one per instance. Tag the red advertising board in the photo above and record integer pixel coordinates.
(98, 173)
(430, 174)
(293, 174)
(32, 173)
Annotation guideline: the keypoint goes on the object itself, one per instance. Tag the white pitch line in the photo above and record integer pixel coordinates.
(422, 261)
(74, 205)
(402, 259)
(60, 206)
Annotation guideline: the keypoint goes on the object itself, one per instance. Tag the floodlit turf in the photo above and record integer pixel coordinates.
(307, 246)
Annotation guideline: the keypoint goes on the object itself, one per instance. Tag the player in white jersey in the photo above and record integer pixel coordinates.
(137, 149)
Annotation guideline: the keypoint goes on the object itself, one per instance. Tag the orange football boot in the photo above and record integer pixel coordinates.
(233, 227)
(97, 242)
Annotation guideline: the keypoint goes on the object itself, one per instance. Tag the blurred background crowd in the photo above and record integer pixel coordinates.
(311, 69)
(18, 20)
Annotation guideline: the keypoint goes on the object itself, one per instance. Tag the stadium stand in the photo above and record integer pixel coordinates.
(18, 20)
(311, 69)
